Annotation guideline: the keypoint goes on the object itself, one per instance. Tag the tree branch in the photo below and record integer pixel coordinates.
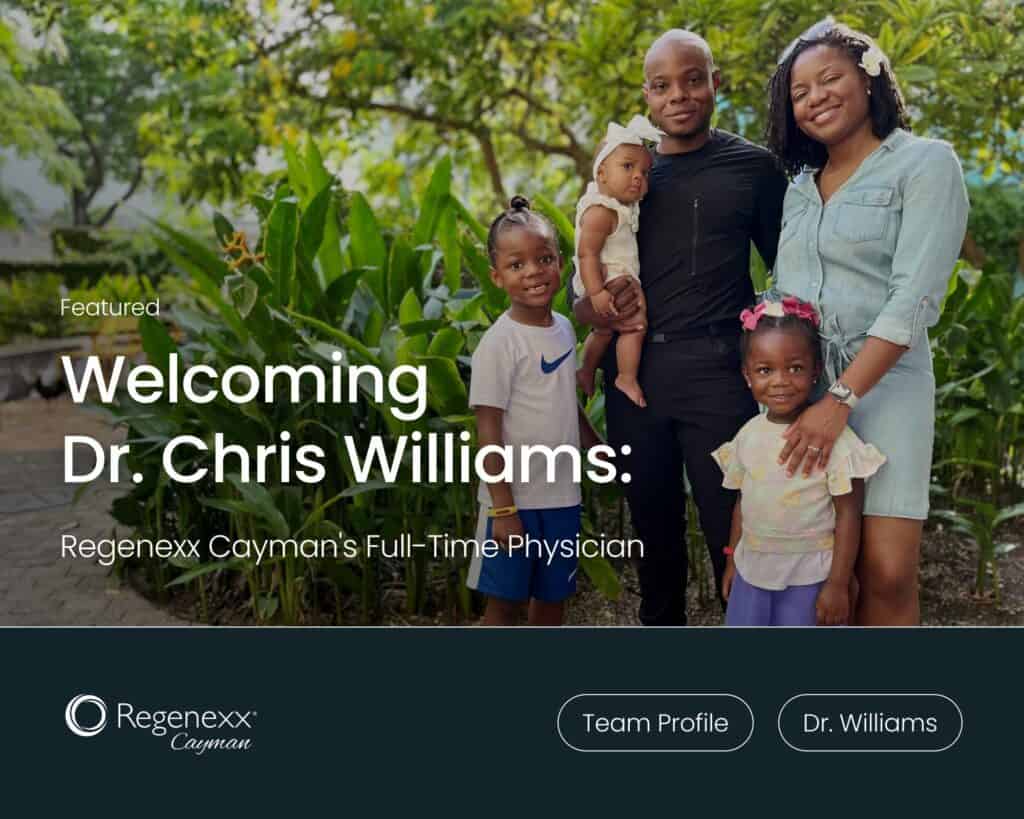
(136, 179)
(483, 136)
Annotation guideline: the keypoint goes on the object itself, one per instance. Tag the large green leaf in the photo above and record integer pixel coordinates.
(1008, 513)
(297, 176)
(329, 254)
(480, 266)
(448, 238)
(410, 309)
(316, 171)
(447, 343)
(367, 247)
(156, 342)
(260, 501)
(470, 221)
(205, 569)
(282, 233)
(446, 391)
(311, 228)
(403, 269)
(366, 486)
(212, 265)
(349, 342)
(224, 229)
(434, 201)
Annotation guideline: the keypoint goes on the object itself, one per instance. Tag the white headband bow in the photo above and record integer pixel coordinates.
(634, 133)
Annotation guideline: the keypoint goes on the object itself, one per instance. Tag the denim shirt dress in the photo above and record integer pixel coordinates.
(876, 261)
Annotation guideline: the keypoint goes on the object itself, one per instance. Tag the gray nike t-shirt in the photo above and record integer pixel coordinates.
(530, 374)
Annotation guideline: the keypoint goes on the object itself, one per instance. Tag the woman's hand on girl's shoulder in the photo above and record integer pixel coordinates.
(810, 438)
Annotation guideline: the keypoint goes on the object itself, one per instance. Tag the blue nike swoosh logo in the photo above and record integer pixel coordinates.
(551, 366)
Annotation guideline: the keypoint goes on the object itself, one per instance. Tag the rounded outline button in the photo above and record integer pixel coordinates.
(956, 739)
(558, 725)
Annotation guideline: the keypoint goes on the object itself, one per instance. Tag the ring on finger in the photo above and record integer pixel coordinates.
(814, 449)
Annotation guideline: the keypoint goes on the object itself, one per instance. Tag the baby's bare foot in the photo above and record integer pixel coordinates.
(631, 387)
(585, 379)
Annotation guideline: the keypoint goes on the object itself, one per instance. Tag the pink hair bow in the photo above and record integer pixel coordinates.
(789, 306)
(792, 306)
(749, 317)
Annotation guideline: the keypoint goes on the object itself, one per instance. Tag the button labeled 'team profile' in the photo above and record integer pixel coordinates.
(655, 723)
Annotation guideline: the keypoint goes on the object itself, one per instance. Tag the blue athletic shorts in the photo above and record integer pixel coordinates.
(543, 571)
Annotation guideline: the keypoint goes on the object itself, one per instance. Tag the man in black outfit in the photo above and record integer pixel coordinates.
(711, 194)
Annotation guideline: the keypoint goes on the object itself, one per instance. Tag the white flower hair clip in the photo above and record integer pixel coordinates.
(871, 61)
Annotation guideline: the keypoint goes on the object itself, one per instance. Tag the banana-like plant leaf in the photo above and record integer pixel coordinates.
(311, 227)
(447, 343)
(282, 234)
(367, 486)
(448, 237)
(212, 265)
(156, 341)
(262, 503)
(446, 391)
(1008, 513)
(344, 338)
(434, 199)
(367, 247)
(205, 569)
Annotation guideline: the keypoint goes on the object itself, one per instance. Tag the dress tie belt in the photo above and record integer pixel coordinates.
(840, 348)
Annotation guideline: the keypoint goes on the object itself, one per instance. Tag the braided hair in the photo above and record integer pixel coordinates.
(784, 138)
(518, 214)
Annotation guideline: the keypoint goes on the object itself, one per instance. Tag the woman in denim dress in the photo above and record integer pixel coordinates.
(871, 230)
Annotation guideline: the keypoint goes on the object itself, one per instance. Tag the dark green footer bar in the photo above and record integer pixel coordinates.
(528, 722)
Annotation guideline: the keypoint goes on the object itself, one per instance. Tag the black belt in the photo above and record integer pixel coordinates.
(725, 327)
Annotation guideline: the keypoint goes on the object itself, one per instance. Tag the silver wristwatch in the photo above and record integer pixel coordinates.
(843, 394)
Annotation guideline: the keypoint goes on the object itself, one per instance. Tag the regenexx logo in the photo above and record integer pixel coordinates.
(182, 726)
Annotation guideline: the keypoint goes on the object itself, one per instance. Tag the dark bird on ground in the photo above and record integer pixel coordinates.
(50, 383)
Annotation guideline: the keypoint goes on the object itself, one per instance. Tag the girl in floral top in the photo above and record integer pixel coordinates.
(794, 540)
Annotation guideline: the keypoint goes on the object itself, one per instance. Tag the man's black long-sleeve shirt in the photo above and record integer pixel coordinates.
(701, 212)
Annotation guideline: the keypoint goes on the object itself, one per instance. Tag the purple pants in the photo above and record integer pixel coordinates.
(751, 606)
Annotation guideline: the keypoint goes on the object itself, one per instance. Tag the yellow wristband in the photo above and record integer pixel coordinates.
(502, 511)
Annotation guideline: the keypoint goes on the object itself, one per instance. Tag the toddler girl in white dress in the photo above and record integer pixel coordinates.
(607, 218)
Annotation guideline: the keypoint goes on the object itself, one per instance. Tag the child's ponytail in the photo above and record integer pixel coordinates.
(519, 214)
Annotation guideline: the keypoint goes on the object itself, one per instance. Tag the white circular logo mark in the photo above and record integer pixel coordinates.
(71, 715)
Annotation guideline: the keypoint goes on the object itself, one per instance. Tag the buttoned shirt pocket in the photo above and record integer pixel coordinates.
(863, 215)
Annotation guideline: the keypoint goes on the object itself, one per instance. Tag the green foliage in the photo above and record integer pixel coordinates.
(35, 118)
(27, 307)
(979, 527)
(978, 351)
(517, 91)
(394, 299)
(997, 222)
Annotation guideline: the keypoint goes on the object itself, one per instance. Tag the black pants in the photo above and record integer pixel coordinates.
(697, 400)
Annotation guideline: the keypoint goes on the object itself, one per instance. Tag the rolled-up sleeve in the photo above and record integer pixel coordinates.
(932, 229)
